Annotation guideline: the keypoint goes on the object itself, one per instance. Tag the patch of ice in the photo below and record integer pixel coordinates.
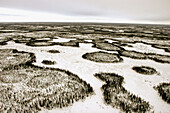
(88, 40)
(61, 39)
(110, 41)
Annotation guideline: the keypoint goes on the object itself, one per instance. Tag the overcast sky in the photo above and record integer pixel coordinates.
(137, 11)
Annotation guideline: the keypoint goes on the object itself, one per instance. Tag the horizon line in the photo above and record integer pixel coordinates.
(83, 22)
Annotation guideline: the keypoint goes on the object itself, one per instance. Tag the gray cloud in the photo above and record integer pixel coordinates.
(151, 10)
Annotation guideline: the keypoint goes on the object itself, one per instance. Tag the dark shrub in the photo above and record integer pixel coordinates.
(144, 70)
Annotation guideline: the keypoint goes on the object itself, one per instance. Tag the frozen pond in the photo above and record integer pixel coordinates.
(144, 48)
(61, 39)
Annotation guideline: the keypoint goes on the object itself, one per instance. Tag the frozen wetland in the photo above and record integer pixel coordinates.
(68, 57)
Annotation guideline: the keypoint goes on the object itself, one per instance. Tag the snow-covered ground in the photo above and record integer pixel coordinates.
(144, 48)
(70, 58)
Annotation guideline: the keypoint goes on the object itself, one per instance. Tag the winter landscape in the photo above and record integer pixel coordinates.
(84, 68)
